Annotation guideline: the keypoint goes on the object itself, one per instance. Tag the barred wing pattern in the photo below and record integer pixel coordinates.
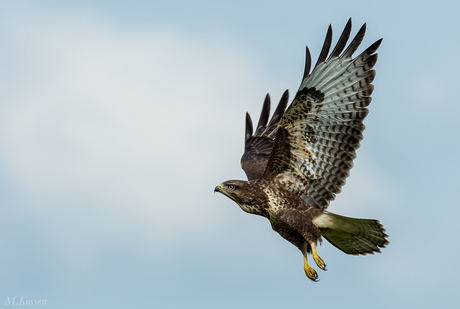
(318, 135)
(257, 147)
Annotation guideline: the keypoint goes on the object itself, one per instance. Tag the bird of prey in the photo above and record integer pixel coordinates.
(298, 162)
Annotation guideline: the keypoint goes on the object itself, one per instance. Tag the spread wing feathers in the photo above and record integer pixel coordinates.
(320, 131)
(257, 147)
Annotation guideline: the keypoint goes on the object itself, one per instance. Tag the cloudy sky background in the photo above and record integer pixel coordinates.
(118, 118)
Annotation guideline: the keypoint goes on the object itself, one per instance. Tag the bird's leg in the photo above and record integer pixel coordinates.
(310, 272)
(316, 257)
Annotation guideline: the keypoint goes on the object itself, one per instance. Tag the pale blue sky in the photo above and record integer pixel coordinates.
(118, 119)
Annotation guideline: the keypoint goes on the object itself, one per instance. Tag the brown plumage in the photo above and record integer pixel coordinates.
(299, 161)
(257, 147)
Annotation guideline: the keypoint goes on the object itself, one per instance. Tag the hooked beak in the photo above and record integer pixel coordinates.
(218, 188)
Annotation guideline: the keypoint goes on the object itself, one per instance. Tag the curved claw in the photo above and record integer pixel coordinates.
(310, 272)
(319, 261)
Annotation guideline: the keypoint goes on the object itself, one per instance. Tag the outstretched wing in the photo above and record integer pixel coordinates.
(257, 147)
(317, 137)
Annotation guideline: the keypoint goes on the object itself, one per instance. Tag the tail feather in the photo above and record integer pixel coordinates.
(352, 236)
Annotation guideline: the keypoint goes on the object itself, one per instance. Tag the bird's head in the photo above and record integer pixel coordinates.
(236, 190)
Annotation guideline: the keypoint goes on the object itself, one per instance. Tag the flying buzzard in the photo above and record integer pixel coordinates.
(299, 161)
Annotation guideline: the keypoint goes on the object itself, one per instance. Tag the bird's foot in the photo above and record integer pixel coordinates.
(319, 261)
(310, 272)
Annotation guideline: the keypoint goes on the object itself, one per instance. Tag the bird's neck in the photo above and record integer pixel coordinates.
(253, 202)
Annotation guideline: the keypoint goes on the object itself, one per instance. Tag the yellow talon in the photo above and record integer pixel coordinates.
(319, 261)
(310, 272)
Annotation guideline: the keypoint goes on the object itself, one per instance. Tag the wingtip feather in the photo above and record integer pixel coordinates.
(373, 48)
(249, 129)
(342, 42)
(264, 114)
(307, 63)
(355, 42)
(326, 46)
(279, 111)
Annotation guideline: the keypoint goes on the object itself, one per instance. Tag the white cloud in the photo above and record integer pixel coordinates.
(126, 119)
(121, 135)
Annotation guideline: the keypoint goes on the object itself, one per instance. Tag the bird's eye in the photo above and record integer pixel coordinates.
(231, 187)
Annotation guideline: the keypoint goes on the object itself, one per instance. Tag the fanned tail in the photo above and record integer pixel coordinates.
(352, 236)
